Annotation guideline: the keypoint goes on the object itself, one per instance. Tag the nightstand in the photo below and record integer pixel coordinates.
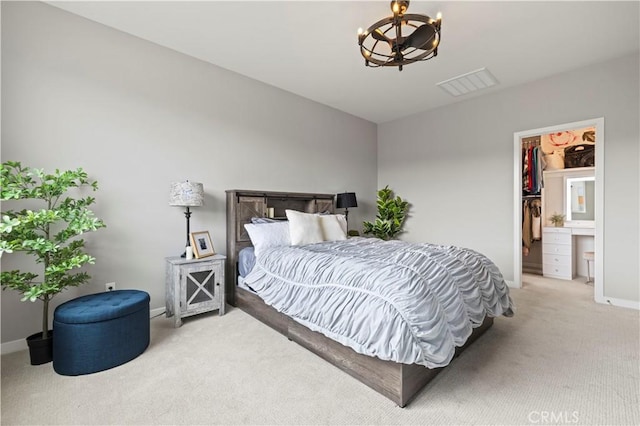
(194, 286)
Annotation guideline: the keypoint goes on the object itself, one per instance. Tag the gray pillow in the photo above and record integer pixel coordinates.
(259, 220)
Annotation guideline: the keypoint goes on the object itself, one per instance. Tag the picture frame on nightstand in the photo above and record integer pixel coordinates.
(201, 244)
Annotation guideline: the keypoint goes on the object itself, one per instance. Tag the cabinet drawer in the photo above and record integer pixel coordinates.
(556, 259)
(556, 230)
(557, 271)
(556, 249)
(556, 238)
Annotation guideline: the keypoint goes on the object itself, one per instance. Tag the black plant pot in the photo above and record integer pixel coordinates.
(40, 350)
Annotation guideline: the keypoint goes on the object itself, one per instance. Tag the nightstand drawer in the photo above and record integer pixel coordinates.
(564, 249)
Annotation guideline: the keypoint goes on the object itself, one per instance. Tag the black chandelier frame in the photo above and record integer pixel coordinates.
(375, 39)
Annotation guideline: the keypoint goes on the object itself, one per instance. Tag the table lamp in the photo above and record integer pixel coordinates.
(186, 194)
(344, 201)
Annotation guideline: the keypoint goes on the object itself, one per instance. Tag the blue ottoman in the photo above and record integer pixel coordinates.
(100, 331)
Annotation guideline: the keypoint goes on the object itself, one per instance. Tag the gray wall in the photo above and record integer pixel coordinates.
(455, 164)
(138, 116)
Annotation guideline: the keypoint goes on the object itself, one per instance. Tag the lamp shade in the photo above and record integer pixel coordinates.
(186, 194)
(346, 200)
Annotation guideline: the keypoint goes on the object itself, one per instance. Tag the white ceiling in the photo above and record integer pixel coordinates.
(310, 47)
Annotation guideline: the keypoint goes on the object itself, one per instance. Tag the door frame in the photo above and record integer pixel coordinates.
(598, 123)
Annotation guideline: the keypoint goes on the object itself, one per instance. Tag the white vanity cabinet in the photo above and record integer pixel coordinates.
(557, 253)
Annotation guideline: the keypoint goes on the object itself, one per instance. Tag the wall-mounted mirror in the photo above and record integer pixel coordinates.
(580, 201)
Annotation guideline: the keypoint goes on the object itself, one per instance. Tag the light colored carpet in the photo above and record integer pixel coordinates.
(561, 360)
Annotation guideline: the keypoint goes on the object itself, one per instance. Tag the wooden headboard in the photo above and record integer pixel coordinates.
(242, 205)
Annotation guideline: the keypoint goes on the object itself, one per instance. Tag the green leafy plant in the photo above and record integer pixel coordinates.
(557, 219)
(50, 233)
(391, 215)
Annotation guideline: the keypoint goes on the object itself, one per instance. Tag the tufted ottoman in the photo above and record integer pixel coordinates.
(100, 331)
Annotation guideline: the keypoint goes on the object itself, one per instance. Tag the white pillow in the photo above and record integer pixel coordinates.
(265, 235)
(304, 228)
(334, 227)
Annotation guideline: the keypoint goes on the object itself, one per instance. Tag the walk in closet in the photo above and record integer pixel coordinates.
(558, 179)
(572, 186)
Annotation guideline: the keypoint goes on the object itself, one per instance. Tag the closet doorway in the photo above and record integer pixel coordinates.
(530, 136)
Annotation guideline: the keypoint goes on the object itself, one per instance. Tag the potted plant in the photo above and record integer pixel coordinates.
(391, 215)
(557, 219)
(49, 233)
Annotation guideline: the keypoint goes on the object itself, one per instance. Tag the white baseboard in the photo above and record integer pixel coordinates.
(155, 312)
(15, 346)
(621, 303)
(21, 344)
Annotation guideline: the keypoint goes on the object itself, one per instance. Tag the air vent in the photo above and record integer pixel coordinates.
(469, 82)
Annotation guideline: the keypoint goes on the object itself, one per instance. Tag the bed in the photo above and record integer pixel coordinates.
(321, 295)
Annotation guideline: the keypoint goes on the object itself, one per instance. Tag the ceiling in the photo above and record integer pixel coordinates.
(310, 47)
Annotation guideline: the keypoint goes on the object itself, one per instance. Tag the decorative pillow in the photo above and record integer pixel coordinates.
(304, 228)
(334, 227)
(265, 235)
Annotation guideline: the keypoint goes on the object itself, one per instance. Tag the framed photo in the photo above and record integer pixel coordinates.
(201, 244)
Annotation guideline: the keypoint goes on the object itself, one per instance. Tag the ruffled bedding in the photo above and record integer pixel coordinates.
(404, 302)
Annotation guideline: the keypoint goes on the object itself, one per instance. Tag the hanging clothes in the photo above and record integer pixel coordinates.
(525, 170)
(533, 164)
(526, 226)
(531, 223)
(532, 170)
(542, 164)
(536, 219)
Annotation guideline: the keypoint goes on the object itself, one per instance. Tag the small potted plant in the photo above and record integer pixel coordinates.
(391, 215)
(50, 234)
(557, 219)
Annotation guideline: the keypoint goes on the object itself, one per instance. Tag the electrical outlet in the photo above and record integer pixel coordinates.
(109, 286)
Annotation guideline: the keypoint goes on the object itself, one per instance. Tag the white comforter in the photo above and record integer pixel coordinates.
(409, 303)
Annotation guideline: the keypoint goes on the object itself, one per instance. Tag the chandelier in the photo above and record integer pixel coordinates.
(401, 39)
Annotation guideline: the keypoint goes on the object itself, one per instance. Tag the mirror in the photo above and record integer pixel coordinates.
(580, 200)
